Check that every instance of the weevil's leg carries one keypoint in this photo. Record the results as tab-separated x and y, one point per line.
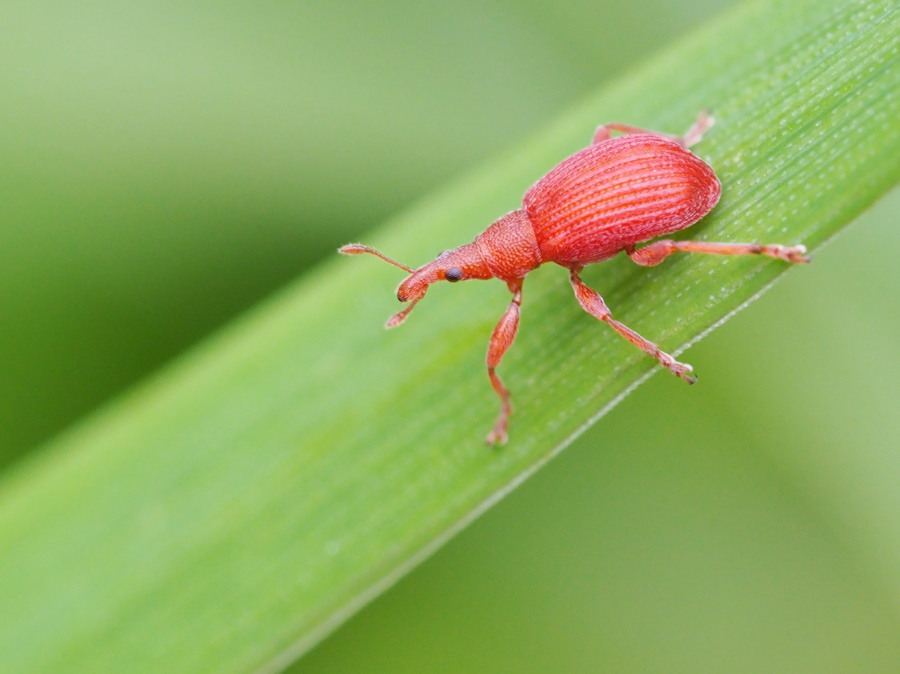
602	133
693	136
501	339
656	252
592	303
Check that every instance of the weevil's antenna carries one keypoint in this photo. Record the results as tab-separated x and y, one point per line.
359	249
400	316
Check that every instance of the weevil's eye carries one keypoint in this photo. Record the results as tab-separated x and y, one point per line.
453	274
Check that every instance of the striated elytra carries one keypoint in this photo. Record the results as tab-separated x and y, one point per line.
607	198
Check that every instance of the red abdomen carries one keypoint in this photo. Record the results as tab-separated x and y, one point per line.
616	193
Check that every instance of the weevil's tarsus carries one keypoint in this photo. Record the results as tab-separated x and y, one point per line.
501	338
654	253
592	303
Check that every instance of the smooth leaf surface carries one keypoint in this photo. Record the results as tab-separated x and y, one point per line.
229	513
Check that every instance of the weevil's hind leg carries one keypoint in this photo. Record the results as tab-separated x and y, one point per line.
501	339
654	253
693	136
603	133
592	303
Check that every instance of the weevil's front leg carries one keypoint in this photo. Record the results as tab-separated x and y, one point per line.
693	136
592	303
501	339
656	252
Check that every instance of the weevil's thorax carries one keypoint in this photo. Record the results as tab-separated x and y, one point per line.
616	193
509	247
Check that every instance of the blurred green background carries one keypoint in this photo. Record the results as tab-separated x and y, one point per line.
165	165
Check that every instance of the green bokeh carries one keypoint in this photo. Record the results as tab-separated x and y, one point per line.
166	165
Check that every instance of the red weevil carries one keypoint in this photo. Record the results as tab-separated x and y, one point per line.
604	199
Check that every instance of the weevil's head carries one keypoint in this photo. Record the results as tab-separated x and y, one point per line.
454	265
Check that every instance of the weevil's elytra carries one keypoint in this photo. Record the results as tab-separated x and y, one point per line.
614	194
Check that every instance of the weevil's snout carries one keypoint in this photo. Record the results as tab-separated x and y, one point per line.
447	267
451	265
414	286
454	265
412	289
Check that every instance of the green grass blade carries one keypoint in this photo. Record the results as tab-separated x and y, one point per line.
229	513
